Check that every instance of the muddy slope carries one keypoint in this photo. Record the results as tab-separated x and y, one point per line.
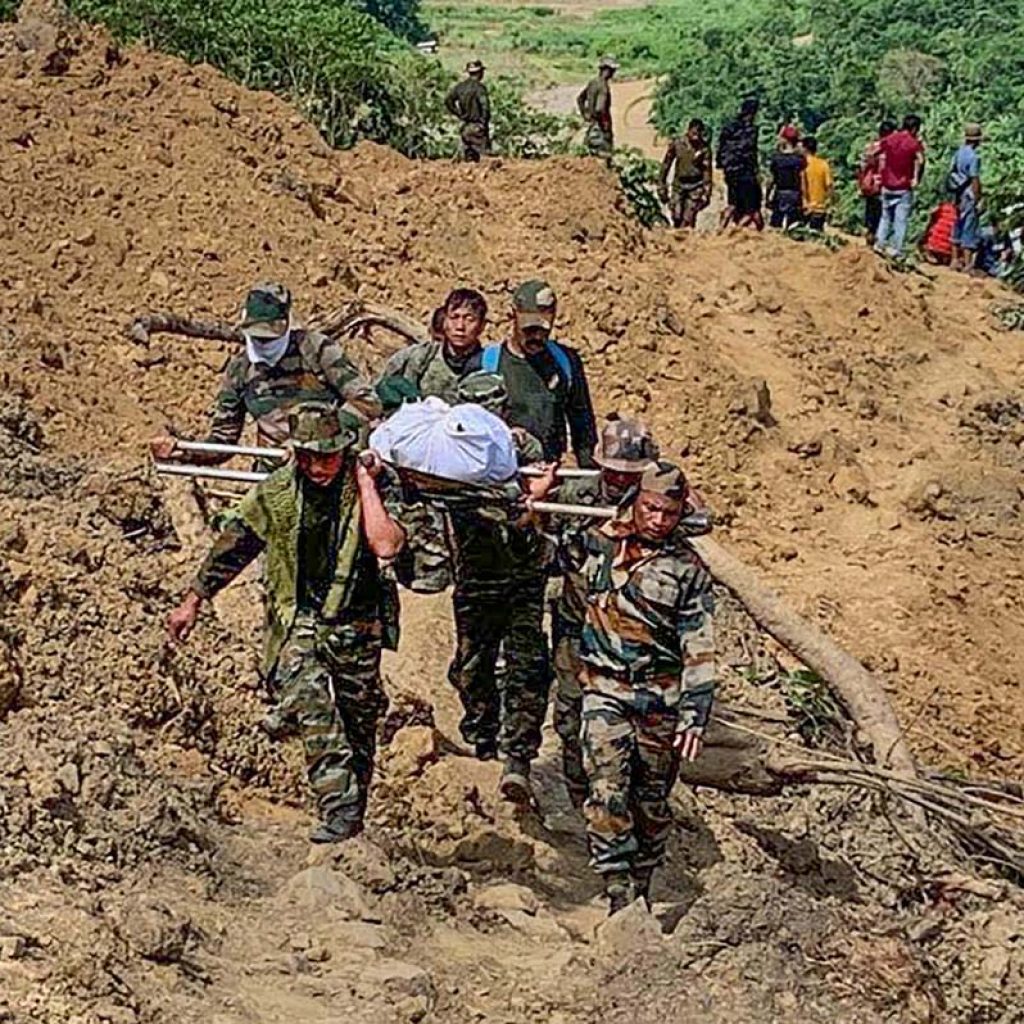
152	856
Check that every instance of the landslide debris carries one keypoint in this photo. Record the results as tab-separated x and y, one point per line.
853	428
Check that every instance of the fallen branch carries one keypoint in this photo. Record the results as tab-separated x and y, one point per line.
170	323
346	320
860	692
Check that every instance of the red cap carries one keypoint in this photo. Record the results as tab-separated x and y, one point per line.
790	133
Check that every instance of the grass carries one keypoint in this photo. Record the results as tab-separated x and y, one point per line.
544	45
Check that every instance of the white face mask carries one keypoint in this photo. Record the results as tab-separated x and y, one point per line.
267	350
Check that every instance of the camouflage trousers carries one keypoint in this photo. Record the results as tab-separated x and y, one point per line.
687	203
599	140
327	682
568	714
476	141
631	767
508	619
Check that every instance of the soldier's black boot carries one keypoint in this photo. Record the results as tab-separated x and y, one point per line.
618	890
338	826
515	782
642	885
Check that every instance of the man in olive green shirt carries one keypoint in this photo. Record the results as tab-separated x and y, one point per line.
546	383
469	102
595	106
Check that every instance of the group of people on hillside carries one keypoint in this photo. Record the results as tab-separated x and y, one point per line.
632	647
799	187
891	170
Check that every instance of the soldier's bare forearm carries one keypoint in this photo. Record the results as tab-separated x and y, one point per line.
385	537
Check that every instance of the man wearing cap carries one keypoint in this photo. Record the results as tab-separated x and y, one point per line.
786	168
648	675
595	106
468	101
322	524
280	366
965	186
738	157
546	383
435	367
626	450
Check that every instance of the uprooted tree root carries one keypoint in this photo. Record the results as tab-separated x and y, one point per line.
957	818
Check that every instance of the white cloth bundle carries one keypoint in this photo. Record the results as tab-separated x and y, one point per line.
463	442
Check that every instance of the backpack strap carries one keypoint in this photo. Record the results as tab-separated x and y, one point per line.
562	361
490	358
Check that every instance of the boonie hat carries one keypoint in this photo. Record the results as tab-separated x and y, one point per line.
322	428
608	62
665	478
973	132
790	133
483	388
475	65
266	310
626	446
535	302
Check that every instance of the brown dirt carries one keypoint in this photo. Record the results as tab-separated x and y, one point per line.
152	853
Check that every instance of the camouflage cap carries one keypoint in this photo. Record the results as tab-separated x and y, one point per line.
482	388
665	478
534	303
322	428
394	391
607	61
474	67
626	446
266	310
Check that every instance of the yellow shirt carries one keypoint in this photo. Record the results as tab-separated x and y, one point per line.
817	184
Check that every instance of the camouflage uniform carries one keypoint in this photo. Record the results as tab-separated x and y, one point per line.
469	102
312	368
326	610
626	446
647	649
595	106
498	600
431	368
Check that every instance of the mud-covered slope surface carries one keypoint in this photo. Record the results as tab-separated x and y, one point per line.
152	851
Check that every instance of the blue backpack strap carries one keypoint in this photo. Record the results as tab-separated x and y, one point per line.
490	358
562	361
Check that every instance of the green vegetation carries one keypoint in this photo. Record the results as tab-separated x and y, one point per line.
839	66
340	61
542	46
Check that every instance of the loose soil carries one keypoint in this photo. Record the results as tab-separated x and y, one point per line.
858	432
